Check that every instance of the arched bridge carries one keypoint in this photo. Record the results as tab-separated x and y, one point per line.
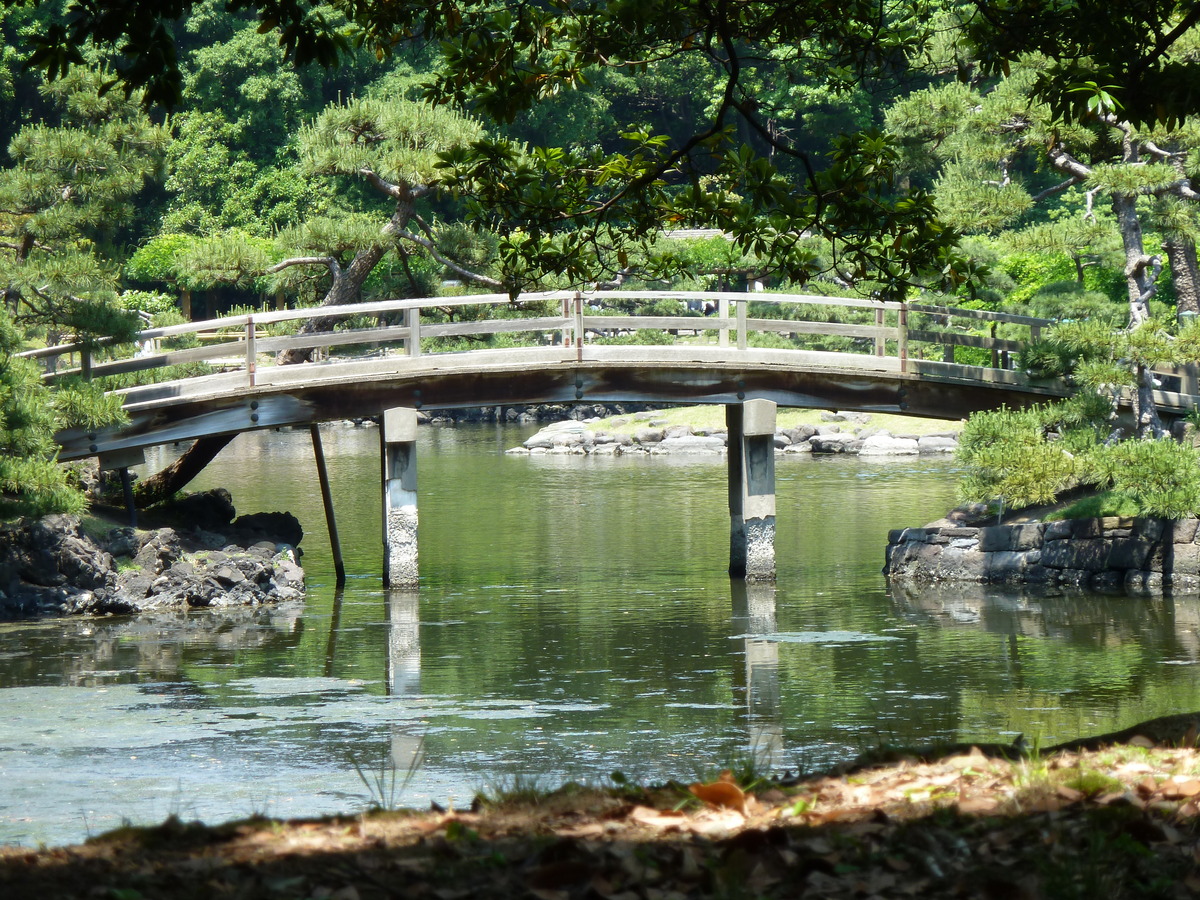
562	347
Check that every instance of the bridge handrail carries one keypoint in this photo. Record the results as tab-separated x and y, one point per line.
578	318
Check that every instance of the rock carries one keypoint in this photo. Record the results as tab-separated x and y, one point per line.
934	444
122	542
836	442
211	510
648	435
52	552
85	580
159	550
884	444
281	527
801	433
691	444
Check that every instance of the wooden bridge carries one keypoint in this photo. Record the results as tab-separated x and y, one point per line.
562	347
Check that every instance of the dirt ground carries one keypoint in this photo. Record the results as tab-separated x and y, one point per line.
1115	816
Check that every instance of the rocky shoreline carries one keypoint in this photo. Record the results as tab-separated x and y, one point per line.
1134	554
648	433
53	566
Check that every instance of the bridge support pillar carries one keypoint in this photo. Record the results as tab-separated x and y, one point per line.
399	455
751	490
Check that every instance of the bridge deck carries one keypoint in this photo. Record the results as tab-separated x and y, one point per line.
896	362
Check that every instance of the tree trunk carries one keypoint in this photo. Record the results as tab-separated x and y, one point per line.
348	282
1139	271
346	288
1185	272
165	484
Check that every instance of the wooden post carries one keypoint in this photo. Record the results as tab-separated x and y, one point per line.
902	337
335	544
743	307
880	342
413	321
723	315
578	327
751	462
121	460
251	350
399	457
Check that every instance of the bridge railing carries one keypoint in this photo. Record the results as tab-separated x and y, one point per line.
735	321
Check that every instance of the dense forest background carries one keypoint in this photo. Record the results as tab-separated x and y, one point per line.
918	170
190	209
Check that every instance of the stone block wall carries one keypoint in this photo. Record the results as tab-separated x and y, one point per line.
1141	553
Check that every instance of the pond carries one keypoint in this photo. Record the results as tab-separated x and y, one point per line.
574	619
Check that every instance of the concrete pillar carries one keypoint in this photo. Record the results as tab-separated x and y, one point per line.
751	463
399	453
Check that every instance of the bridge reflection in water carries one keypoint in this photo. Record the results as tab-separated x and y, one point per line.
752	621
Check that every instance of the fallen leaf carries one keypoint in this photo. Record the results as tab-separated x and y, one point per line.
721	794
1173	790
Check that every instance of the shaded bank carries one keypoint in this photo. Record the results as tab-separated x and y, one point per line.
57	566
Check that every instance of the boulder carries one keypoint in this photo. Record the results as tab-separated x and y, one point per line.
884	444
692	444
934	444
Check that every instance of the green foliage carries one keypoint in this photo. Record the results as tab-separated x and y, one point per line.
1007	457
30	481
640	337
157	260
1027	457
84	404
233	258
150	302
1161	476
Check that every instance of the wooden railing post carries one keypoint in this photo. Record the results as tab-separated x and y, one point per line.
413	321
85	363
902	337
723	314
578	326
251	350
995	350
742	310
880	341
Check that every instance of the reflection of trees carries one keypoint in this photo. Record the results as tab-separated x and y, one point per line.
1056	663
1086	619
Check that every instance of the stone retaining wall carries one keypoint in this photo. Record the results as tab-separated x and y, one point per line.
1141	553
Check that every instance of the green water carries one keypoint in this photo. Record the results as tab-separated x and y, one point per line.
574	619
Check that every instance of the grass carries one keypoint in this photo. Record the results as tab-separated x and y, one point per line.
383	783
1097	506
